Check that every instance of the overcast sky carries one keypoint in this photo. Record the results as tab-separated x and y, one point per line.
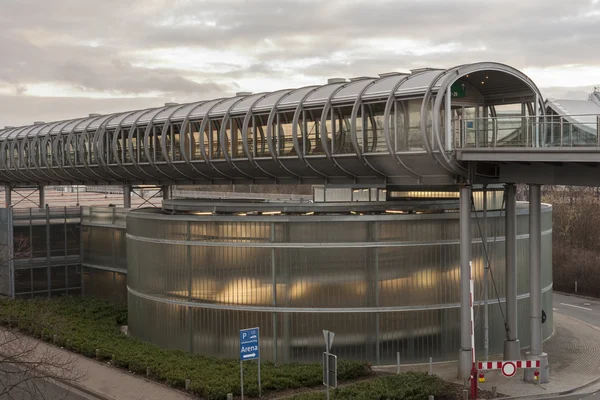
67	58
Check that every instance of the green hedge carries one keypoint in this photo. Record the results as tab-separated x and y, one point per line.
407	386
84	325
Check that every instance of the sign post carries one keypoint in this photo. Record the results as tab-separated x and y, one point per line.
327	359
249	350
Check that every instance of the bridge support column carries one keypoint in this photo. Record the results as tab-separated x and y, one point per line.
42	194
512	348
127	196
7	196
165	192
465	352
535	285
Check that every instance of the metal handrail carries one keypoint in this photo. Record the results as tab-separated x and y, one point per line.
532	124
515	116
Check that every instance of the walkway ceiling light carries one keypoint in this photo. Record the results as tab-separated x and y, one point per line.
395	212
203	213
271	213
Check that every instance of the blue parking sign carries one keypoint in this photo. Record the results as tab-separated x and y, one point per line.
249	347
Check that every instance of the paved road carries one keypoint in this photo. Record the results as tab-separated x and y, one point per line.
577	307
585	310
43	389
50	391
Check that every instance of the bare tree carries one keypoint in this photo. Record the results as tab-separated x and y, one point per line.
28	365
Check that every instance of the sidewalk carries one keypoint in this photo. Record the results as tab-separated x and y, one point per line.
573	353
111	383
102	381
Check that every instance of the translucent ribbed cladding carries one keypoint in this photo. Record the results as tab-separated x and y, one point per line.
383	283
104	253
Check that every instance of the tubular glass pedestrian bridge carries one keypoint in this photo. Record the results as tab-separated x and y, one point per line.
393	130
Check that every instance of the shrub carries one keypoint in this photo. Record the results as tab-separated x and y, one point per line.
407	386
84	325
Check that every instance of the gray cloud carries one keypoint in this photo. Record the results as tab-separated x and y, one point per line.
102	47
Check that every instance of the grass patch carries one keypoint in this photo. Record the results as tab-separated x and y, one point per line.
84	325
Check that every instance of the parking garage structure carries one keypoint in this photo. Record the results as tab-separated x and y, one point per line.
384	276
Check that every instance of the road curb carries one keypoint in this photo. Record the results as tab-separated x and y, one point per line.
555	394
569	391
89	392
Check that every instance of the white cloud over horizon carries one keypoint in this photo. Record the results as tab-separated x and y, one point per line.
67	58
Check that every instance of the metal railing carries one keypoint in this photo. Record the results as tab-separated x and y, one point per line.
581	130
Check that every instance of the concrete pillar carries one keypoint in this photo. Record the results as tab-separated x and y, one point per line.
165	192
7	196
42	196
127	196
465	352
535	284
512	349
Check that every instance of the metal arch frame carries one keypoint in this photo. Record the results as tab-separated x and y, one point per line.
132	130
386	124
150	157
357	104
89	136
464	70
244	131
187	157
203	124
299	151
250	114
163	141
70	136
85	135
101	152
36	141
326	108
274	155
31	144
112	149
113	145
22	139
3	145
185	122
10	140
439	156
13	148
222	133
63	138
44	150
